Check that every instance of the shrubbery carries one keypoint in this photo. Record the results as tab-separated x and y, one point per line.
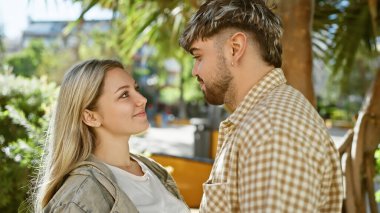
24	107
26	62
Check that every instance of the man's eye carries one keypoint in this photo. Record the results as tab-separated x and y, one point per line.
196	57
137	88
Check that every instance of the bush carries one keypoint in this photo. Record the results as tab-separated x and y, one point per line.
24	107
377	169
25	63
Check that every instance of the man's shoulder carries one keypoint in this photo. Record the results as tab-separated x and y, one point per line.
285	96
285	101
280	99
283	107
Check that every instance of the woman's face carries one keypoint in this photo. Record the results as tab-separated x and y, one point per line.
120	107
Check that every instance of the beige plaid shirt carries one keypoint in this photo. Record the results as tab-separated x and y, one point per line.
274	155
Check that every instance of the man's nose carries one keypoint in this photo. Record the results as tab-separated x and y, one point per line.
194	71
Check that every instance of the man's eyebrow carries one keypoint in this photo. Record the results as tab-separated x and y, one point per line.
193	49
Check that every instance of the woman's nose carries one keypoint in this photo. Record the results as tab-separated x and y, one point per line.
140	99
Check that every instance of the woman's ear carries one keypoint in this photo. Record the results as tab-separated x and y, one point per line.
238	45
90	118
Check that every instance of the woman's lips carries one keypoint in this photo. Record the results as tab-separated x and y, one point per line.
140	114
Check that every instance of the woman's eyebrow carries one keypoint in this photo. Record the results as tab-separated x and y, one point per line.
122	87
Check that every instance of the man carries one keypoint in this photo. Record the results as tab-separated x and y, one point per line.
274	152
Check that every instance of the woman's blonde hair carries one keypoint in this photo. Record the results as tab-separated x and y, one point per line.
69	140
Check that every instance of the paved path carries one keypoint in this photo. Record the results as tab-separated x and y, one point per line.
175	140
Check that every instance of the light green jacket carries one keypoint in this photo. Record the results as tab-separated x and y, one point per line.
91	187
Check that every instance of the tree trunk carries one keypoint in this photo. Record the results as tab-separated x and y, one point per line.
365	141
297	18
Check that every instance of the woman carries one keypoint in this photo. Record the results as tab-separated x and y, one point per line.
88	166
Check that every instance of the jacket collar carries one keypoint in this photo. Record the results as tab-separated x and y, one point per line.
105	177
110	184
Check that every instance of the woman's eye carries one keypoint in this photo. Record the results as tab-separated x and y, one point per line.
124	95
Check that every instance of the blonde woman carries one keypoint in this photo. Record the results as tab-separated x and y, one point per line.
88	166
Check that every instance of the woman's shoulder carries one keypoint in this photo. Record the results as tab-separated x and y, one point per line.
81	191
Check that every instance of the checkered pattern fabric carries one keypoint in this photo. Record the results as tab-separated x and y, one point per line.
274	155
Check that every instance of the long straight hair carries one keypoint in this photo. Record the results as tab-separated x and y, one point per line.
69	140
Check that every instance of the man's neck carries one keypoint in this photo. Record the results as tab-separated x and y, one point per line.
244	80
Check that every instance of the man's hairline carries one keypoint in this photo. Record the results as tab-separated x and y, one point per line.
230	30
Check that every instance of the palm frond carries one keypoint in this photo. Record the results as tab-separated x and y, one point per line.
344	27
157	21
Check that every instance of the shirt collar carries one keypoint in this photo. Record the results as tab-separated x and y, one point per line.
270	81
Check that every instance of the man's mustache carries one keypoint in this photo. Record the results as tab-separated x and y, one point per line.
200	80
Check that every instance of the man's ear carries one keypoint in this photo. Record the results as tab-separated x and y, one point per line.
238	44
90	118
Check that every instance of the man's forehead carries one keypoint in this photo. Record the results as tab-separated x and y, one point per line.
199	44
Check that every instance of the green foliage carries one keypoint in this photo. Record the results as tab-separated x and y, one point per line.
345	41
377	168
98	44
24	107
25	63
38	59
158	24
2	50
377	159
344	37
54	64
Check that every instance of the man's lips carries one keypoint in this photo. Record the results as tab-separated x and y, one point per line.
202	85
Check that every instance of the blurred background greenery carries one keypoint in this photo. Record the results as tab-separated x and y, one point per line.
144	34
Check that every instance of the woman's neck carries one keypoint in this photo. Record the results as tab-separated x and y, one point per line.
113	152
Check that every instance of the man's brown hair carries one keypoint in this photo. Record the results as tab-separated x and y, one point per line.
251	16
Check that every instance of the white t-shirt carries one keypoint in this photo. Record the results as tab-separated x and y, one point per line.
147	192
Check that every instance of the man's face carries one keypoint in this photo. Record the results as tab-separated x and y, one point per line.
211	70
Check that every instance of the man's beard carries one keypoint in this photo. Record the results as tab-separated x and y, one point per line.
215	91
